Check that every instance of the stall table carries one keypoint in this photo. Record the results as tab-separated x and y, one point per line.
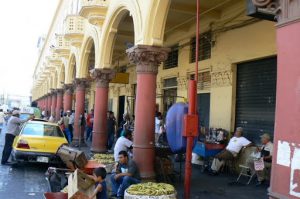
207	150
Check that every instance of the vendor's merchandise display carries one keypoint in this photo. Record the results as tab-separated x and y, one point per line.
103	158
151	190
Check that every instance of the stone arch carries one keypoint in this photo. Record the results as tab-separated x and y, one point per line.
156	21
54	80
61	76
89	42
117	10
49	84
71	69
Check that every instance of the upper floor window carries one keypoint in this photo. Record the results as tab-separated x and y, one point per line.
204	47
172	60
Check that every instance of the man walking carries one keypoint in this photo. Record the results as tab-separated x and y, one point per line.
111	129
71	116
1	119
13	129
89	125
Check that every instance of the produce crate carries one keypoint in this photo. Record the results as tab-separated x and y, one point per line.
80	185
73	158
57	195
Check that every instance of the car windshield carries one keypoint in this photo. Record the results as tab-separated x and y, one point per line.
39	129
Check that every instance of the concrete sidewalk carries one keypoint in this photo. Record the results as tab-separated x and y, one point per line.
205	186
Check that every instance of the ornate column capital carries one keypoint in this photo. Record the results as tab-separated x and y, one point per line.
68	88
52	91
287	11
59	91
147	58
102	76
80	83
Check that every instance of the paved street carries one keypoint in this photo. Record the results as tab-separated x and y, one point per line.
21	182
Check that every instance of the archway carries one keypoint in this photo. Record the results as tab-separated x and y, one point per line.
61	76
71	73
116	14
87	64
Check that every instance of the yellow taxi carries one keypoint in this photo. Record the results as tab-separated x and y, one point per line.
38	141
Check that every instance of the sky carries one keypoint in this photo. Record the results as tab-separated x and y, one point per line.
22	23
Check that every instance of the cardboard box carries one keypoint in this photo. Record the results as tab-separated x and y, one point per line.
72	157
80	185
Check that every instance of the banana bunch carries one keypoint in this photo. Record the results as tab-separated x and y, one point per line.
65	190
151	189
104	158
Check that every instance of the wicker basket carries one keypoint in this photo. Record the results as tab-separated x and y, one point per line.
129	196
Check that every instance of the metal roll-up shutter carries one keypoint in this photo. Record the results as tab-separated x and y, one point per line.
256	97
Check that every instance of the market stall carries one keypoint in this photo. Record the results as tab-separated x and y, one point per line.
208	145
72	181
151	190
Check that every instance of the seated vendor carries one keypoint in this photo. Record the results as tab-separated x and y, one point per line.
234	146
265	152
127	173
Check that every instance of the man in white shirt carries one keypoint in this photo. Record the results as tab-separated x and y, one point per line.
234	146
12	130
1	119
265	152
71	116
124	143
158	123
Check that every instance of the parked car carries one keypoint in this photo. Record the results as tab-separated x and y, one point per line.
38	141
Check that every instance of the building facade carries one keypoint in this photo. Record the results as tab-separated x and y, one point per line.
136	56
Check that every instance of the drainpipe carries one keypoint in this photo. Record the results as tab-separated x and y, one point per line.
191	120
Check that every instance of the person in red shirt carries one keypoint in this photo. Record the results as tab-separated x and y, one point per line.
89	125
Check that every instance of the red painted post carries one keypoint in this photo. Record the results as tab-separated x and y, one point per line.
190	140
192	111
53	100
79	111
102	77
285	179
147	59
59	103
49	98
68	95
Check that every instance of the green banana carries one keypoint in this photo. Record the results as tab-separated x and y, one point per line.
151	189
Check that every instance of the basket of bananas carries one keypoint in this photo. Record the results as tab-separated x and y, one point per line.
150	190
105	159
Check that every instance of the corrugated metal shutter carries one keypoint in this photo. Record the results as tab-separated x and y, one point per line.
256	97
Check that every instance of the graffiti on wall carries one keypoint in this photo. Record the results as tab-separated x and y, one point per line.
288	155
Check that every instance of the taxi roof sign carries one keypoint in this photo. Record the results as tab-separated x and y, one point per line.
28	110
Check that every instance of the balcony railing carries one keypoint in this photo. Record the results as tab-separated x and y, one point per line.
61	42
85	3
74	25
62	45
94	10
52	60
